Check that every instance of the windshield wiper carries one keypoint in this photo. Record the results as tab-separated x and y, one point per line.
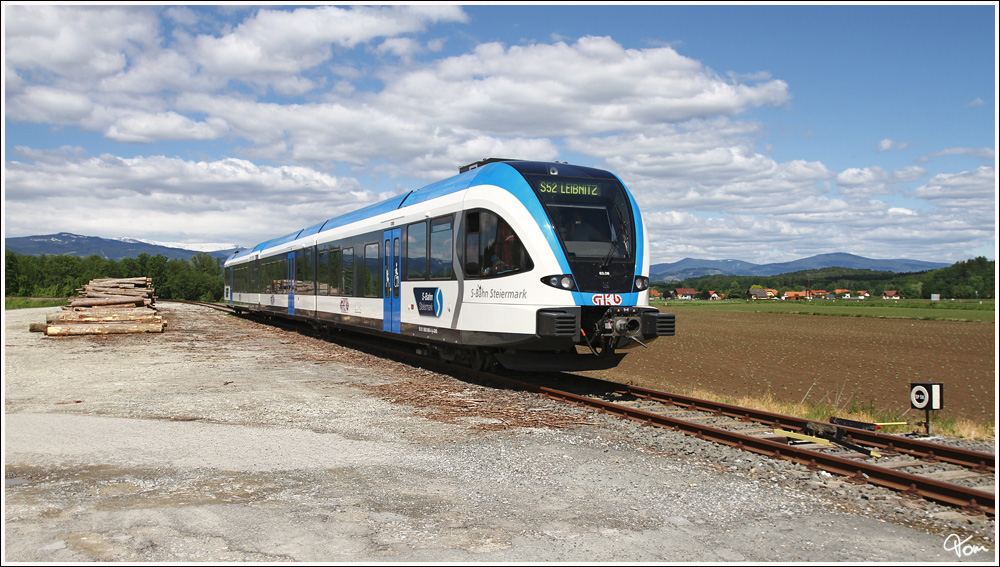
622	230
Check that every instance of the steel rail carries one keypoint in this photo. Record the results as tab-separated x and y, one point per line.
216	306
932	452
969	499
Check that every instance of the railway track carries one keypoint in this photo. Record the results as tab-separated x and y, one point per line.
948	475
956	477
216	306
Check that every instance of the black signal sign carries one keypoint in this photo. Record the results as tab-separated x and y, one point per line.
926	395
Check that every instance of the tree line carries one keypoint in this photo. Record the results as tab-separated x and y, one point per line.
197	279
201	278
970	279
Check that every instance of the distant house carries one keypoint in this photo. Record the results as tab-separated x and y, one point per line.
845	293
712	295
794	295
771	293
863	294
685	293
891	294
817	294
654	294
757	294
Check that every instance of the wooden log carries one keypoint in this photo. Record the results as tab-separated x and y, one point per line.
139	280
105	310
90	302
117	287
111	298
102	329
115	293
82	317
37	327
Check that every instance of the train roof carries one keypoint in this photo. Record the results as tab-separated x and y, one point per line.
491	171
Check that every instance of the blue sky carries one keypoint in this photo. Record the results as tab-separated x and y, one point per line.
752	132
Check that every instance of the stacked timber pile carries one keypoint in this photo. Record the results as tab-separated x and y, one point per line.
108	306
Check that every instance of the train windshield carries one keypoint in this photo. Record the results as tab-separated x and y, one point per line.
591	216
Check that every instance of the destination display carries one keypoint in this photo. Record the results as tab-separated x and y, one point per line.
562	188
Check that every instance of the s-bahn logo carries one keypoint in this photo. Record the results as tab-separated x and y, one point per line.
607	299
429	300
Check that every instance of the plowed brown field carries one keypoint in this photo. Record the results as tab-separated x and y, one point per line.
846	362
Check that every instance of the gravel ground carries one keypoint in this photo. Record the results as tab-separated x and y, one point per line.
226	440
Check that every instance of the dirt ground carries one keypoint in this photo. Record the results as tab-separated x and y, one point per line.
226	440
844	362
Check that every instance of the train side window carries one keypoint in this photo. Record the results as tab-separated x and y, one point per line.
284	282
333	276
322	271
470	256
268	272
305	273
386	277
328	271
416	251
441	249
348	258
372	270
492	248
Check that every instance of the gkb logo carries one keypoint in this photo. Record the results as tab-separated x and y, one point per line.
429	300
607	299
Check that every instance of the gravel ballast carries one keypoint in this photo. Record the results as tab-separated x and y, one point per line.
227	440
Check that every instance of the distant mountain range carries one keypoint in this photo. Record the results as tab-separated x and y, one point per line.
691	267
110	248
118	248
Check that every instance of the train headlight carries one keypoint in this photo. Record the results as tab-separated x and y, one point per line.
562	281
641	283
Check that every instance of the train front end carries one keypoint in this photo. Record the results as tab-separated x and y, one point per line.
594	227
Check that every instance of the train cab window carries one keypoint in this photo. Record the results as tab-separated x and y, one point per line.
416	251
441	249
372	270
592	217
492	248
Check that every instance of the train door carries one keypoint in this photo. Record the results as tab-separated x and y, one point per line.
391	253
291	283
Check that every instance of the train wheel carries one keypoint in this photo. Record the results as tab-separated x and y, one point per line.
481	359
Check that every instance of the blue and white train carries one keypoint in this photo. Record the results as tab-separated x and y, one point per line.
532	265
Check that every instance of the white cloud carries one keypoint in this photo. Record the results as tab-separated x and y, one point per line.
886	145
985	154
599	86
403	47
157	197
145	127
76	42
970	190
48	104
289	42
867	181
